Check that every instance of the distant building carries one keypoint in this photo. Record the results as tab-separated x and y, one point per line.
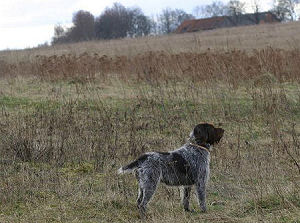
226	21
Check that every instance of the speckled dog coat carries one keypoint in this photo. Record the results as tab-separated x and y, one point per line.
186	166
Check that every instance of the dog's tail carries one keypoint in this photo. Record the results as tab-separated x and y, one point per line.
133	165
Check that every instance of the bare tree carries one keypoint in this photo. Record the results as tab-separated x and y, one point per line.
165	20
181	16
236	8
256	6
170	19
154	25
140	25
256	10
285	9
217	8
58	31
59	34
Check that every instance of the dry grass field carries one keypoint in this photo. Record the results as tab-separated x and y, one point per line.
71	115
282	36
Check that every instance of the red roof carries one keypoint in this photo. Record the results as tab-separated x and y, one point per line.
200	24
226	21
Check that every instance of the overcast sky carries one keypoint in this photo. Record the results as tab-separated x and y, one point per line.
27	23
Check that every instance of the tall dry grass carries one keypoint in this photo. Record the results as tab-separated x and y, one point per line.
61	155
230	66
69	121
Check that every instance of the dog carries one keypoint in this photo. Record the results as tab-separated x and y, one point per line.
186	166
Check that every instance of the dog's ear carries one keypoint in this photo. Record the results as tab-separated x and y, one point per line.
215	135
200	133
211	132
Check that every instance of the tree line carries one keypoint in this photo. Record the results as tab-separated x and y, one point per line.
119	21
284	10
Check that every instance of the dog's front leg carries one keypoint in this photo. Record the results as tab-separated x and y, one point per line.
201	192
185	197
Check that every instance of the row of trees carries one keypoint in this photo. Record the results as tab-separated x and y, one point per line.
119	21
283	9
218	8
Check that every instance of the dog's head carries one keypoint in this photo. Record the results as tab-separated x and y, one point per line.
206	133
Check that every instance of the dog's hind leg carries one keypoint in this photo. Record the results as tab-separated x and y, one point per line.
140	197
148	184
147	195
141	193
185	199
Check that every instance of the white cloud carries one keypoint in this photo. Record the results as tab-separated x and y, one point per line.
31	22
93	6
34	12
23	37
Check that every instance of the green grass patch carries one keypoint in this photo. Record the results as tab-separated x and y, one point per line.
27	103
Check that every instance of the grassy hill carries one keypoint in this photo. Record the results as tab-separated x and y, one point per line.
71	115
283	36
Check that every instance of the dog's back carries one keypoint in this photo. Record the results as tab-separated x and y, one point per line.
178	167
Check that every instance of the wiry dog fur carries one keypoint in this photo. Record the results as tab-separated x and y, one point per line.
186	166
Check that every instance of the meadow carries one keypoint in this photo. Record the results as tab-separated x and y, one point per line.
71	115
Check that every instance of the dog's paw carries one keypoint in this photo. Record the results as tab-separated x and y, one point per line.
190	210
203	210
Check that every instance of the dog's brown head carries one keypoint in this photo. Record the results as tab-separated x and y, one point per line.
206	133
